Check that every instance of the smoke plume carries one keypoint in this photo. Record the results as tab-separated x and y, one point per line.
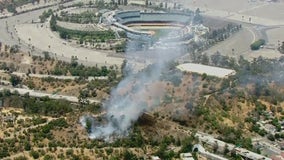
129	99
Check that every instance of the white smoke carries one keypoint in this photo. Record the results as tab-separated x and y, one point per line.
125	105
129	99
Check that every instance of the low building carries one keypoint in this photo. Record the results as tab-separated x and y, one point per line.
270	128
205	69
278	157
137	2
155	158
207	154
186	156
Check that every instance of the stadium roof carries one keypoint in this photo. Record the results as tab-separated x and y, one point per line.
137	16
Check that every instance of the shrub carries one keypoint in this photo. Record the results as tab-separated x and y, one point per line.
34	154
15	80
256	45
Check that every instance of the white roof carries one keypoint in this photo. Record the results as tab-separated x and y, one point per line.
139	2
155	158
186	156
209	70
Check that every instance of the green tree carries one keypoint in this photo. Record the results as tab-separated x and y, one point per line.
48	157
15	80
89	125
46	55
100	3
27	146
197	17
4	152
127	155
215	147
226	149
125	2
163	153
204	59
257	44
34	154
53	23
146	3
74	61
64	34
271	137
45	15
187	144
281	48
84	94
14	49
11	8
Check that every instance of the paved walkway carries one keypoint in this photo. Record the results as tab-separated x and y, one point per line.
40	36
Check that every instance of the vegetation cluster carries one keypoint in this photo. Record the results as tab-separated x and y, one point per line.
82	18
257	44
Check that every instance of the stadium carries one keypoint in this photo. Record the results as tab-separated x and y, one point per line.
144	25
147	24
152	18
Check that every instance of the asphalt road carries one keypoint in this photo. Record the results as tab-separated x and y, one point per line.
8	32
35	93
237	44
10	35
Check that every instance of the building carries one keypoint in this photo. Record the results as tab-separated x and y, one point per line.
278	157
205	69
137	2
207	154
121	2
186	156
155	158
130	20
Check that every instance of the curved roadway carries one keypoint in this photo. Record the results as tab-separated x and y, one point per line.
19	30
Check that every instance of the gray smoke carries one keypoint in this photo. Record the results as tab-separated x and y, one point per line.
129	99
